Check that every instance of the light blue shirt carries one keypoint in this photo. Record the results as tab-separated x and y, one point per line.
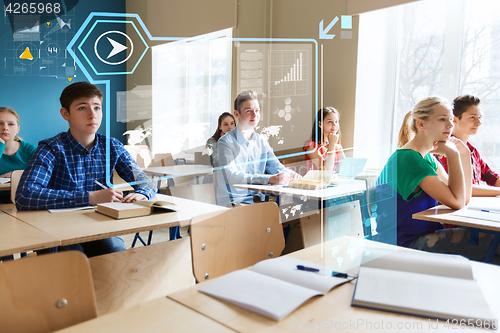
244	162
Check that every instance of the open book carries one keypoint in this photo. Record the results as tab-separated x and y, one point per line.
315	180
424	284
122	210
482	209
273	287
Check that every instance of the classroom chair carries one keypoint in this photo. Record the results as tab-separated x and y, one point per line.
141	154
162	160
203	193
14	182
46	293
126	278
234	239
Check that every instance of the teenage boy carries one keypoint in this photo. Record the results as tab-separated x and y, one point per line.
66	170
246	157
466	120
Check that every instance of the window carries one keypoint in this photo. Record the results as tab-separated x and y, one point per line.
425	48
191	88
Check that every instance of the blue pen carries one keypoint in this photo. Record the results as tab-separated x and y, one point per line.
307	269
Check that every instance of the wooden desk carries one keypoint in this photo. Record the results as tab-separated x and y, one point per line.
87	225
442	214
181	170
5	187
17	236
333	311
159	315
346	187
312	222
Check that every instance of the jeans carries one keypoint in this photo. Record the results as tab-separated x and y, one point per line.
94	248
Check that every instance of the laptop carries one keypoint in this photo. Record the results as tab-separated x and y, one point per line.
350	167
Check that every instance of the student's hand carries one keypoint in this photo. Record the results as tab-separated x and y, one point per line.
131	197
332	141
462	148
105	195
294	175
282	178
2	140
444	148
6	175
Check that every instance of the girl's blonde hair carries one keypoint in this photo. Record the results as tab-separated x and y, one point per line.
11	111
405	133
421	111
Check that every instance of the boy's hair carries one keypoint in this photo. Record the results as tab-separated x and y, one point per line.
462	103
244	96
78	90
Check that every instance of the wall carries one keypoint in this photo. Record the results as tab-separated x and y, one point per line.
36	98
270	19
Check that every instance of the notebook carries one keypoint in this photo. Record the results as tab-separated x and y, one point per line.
274	287
429	285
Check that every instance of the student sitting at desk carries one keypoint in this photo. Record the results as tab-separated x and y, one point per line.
14	153
467	119
326	152
226	123
247	157
66	170
419	182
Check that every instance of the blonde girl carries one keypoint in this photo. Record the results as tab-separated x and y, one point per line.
14	153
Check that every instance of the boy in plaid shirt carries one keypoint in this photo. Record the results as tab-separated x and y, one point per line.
66	169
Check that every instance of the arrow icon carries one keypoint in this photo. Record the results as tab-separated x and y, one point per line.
117	47
323	33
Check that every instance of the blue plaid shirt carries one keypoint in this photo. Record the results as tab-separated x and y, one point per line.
62	172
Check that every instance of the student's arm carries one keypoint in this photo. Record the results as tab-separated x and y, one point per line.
4	172
456	193
127	168
485	190
32	191
314	154
280	173
234	166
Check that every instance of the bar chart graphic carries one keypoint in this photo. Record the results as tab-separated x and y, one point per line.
288	72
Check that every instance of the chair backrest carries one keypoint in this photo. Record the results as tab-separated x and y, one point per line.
126	278
234	239
199	158
162	160
14	182
202	192
141	154
46	293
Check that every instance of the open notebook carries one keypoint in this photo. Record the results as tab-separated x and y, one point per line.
273	287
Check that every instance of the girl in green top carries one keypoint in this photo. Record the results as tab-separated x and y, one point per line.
419	182
14	153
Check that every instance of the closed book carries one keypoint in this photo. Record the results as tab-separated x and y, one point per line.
423	284
122	210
